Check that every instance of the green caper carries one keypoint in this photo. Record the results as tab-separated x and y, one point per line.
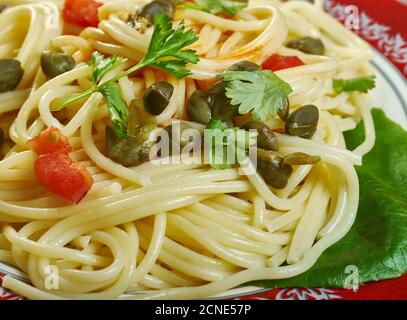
303	122
299	158
54	63
138	116
265	137
131	150
283	113
244	65
157	97
221	107
308	45
150	10
179	129
10	74
199	109
271	167
137	21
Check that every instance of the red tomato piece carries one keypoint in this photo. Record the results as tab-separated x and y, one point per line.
81	12
50	140
277	62
60	174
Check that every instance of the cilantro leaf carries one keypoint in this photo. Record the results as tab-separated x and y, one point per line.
260	92
216	6
362	84
167	42
101	65
116	106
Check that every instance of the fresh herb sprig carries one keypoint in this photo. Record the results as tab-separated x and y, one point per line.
361	84
217	6
166	51
260	92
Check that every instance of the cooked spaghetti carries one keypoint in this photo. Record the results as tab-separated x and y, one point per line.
180	230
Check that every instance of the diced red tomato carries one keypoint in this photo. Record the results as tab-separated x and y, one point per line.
206	84
277	62
60	174
50	140
82	12
55	169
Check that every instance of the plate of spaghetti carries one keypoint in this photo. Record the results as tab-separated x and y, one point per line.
195	149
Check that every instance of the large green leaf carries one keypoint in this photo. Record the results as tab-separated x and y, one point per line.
377	242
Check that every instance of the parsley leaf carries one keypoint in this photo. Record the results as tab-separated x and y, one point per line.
216	6
260	92
167	42
116	106
362	84
101	65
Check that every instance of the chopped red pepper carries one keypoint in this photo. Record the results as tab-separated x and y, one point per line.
277	62
55	169
48	141
60	174
81	12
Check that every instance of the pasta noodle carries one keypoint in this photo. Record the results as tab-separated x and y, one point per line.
178	230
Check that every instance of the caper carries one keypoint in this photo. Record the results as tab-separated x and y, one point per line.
271	167
10	74
150	10
307	45
221	107
131	150
157	97
303	122
199	109
283	113
299	158
265	137
135	148
54	63
244	65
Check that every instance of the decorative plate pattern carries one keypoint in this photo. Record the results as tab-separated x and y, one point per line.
388	39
